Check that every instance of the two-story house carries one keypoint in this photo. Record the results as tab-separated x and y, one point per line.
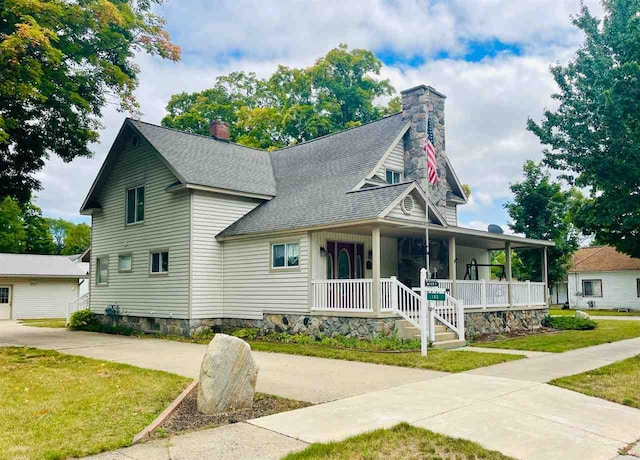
323	237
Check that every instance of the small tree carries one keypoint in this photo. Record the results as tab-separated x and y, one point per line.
542	210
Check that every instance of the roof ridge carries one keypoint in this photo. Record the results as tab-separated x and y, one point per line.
377	187
336	133
600	249
195	134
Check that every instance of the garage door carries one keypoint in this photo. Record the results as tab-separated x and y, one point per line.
5	302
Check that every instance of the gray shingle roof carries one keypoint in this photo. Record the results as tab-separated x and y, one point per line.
206	161
35	265
314	180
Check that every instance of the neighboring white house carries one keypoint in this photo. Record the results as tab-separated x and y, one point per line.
37	286
601	277
191	230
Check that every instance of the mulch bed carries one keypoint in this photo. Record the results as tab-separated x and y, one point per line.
187	418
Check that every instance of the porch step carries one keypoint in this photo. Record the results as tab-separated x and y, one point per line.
446	336
449	344
406	330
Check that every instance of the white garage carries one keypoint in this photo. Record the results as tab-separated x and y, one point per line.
38	286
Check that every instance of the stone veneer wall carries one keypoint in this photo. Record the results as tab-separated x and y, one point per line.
486	323
477	324
313	325
419	104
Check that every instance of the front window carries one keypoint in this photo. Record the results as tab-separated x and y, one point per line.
4	295
135	205
159	262
102	270
393	177
125	262
592	288
285	255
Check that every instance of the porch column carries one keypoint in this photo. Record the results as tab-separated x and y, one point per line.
452	266
545	274
507	252
375	260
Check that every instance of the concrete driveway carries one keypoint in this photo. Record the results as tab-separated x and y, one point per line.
297	377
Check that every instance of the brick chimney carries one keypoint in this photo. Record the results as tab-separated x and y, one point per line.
418	104
219	130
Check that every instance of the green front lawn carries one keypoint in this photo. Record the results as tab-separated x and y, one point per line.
617	382
560	312
403	441
557	342
45	322
437	360
56	406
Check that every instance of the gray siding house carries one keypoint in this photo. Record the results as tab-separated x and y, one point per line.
328	236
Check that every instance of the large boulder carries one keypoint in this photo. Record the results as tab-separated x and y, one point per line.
228	376
582	315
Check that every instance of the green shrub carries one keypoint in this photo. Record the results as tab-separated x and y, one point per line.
83	319
86	320
206	334
248	333
392	343
565	323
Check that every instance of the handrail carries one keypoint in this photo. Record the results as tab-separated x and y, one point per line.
77	304
406	303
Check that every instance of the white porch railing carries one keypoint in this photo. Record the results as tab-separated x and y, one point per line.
482	294
79	303
342	295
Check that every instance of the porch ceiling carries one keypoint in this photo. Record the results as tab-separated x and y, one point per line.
464	236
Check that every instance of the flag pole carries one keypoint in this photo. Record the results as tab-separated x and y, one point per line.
426	227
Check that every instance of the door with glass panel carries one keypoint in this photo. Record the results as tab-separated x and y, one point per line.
5	302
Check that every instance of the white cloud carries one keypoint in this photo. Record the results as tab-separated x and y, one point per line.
488	101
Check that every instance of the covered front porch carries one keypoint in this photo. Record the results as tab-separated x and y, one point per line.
370	269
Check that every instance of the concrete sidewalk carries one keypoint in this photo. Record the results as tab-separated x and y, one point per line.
548	366
297	377
230	442
526	420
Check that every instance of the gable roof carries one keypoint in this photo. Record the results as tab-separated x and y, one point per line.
204	160
195	160
314	180
39	266
602	259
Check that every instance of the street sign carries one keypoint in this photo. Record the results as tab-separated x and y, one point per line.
431	283
436	296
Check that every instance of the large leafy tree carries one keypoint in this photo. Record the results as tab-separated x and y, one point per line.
38	238
593	136
541	209
12	234
60	63
77	240
292	105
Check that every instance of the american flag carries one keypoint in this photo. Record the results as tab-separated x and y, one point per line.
432	171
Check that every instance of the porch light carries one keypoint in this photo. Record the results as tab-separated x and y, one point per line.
323	251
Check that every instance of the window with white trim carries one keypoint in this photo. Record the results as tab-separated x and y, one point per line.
135	205
592	288
160	262
102	271
4	294
125	262
394	177
285	255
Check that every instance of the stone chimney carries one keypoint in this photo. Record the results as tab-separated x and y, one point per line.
418	104
220	130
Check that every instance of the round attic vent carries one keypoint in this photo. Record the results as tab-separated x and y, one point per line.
408	204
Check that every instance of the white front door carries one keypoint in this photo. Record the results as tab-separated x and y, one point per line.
5	302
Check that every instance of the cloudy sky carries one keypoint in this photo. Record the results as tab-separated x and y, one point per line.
490	57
